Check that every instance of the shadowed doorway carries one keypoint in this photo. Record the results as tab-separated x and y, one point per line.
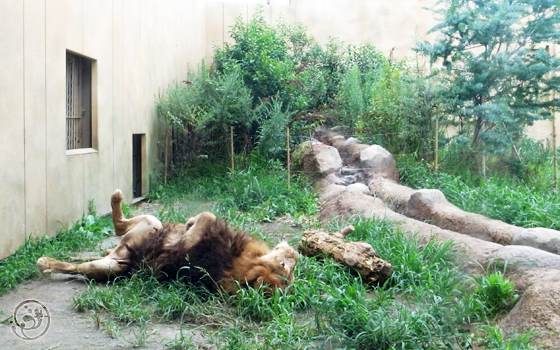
137	162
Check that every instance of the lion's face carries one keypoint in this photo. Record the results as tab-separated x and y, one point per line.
281	261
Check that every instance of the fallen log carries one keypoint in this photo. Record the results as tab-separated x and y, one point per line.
359	256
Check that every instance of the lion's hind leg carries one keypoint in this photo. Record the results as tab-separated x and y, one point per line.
115	264
101	269
122	225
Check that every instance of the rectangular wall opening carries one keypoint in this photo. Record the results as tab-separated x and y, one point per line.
138	161
80	104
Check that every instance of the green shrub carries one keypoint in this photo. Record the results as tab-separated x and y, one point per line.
387	103
351	95
271	142
201	113
261	54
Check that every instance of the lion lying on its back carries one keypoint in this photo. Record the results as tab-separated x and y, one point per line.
204	249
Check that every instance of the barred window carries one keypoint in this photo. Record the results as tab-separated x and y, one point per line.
78	101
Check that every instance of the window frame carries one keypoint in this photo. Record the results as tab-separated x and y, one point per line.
88	76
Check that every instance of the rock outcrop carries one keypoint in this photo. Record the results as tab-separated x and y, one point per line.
532	254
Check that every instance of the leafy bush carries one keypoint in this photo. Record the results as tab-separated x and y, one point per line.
351	95
272	141
261	54
387	103
201	113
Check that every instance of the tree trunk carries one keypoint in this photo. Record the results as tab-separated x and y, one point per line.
359	256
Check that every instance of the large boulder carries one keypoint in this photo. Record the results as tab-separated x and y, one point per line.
538	308
319	159
358	187
529	256
541	238
431	205
337	142
350	151
376	161
394	195
336	203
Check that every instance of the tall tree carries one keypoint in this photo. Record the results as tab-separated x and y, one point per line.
498	73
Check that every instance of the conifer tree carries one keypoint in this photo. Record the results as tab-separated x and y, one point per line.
498	74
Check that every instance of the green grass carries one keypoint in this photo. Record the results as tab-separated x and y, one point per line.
255	194
429	303
502	198
21	267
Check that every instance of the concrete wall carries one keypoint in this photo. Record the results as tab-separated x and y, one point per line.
394	24
139	47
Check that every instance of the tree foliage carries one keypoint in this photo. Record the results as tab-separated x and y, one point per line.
497	75
270	76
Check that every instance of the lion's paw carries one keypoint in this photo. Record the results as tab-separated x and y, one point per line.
44	264
117	196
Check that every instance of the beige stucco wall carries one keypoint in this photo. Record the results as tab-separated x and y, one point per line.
394	24
139	47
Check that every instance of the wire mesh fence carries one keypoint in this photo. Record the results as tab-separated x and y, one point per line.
185	148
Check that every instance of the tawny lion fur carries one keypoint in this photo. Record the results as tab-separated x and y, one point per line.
204	250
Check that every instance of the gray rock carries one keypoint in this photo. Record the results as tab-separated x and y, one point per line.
528	256
537	308
320	159
377	161
339	137
348	142
351	153
394	195
427	196
542	238
431	205
359	187
338	128
337	142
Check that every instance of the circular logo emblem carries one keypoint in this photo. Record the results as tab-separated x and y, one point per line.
31	320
